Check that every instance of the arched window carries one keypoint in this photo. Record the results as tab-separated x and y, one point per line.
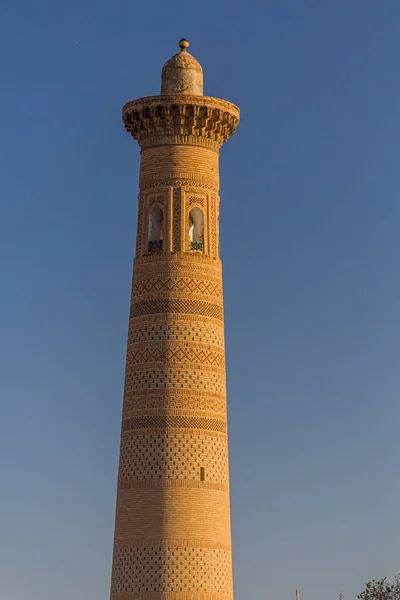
156	229
196	229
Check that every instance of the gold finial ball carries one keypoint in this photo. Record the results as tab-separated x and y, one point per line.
183	44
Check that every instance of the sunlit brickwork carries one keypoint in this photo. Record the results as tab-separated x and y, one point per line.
172	530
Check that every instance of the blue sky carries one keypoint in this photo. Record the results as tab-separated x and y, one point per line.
309	237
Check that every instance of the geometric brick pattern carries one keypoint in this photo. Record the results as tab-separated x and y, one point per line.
161	354
179	183
172	569
171	401
139	231
181	331
174	378
176	216
173	456
177	266
197	286
176	305
174	422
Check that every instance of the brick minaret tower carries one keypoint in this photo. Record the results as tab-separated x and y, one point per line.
172	530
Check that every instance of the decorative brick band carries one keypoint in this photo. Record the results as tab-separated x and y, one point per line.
169	596
163	595
185	180
179	264
167	393
181	284
134	432
176	422
162	410
167	321
173	483
176	305
167	542
171	569
146	400
192	355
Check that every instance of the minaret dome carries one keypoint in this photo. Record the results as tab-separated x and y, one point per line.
182	74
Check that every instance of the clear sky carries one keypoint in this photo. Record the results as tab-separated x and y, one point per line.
310	221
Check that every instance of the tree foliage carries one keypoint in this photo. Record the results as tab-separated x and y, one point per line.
381	590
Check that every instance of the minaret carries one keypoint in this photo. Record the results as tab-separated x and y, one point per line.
172	530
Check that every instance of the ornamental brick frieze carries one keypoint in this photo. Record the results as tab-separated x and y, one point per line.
179	265
171	319
173	392
158	163
170	542
210	143
204	414
181	180
174	399
208	403
173	422
179	300
176	306
172	483
175	372
194	378
179	284
180	288
177	354
182	332
176	351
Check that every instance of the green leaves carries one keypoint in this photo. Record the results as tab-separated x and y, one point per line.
381	590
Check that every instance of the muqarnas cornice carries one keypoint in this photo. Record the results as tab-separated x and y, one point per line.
198	120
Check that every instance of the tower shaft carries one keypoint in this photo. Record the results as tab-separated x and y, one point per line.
172	529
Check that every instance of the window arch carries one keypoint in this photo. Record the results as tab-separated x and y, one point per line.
156	229
196	229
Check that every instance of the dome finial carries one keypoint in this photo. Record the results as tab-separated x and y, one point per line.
183	44
182	74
